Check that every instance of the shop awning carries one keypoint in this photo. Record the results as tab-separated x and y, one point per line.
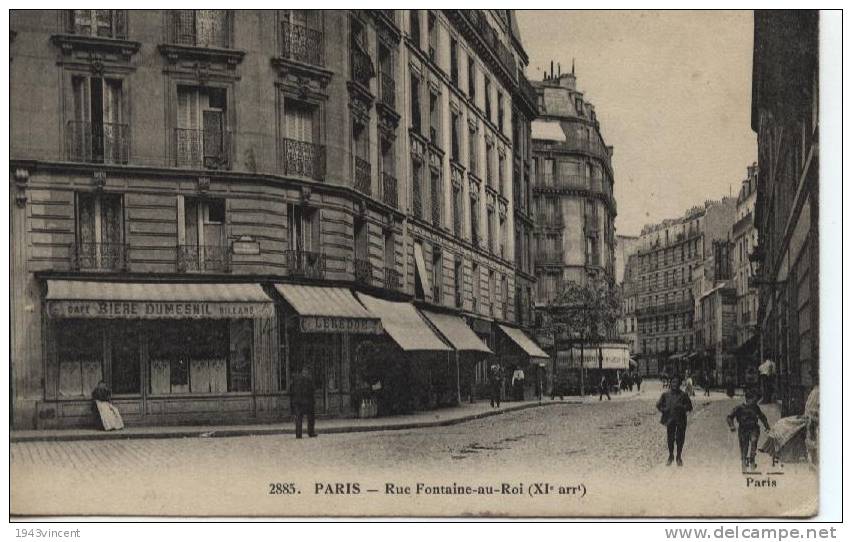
457	332
155	300
525	343
404	324
325	309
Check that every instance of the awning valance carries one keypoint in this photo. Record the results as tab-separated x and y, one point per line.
155	300
404	324
457	332
524	343
325	309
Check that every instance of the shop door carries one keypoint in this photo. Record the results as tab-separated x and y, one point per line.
317	356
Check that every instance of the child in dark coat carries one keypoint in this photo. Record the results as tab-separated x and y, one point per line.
748	415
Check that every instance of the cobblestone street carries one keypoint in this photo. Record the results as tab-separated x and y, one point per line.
614	449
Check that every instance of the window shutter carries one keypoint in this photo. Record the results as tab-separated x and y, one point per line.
213	135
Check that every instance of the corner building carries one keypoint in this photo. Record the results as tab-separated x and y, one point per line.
205	201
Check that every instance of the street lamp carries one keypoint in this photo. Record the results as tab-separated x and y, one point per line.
754	279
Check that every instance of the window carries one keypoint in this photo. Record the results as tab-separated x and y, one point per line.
204	244
201	27
417	188
390	250
473	150
96	130
458	281
455	137
458	204
471	78
437	196
501	166
79	351
414	26
489	164
361	62
454	62
475	283
433	37
100	232
492	291
504	296
300	228
416	110
503	236
474	217
488	98
201	137
387	79
103	23
123	339
500	111
361	157
301	153
435	119
302	36
210	356
492	236
437	274
361	260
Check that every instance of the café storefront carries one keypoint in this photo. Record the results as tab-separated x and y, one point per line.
172	353
321	328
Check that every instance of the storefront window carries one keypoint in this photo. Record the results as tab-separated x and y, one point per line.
79	354
323	353
209	356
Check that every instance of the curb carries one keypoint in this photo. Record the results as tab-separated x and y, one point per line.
276	430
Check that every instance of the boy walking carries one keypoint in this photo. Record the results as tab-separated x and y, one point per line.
673	406
747	415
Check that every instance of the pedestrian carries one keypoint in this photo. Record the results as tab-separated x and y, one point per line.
557	386
302	401
747	415
518	384
638	381
604	388
494	385
673	406
730	383
689	387
705	378
107	412
631	379
767	380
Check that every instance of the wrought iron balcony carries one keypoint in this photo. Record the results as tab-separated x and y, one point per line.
195	148
301	263
302	44
363	176
390	194
204	258
362	67
302	158
387	94
106	143
393	279
200	28
363	271
99	256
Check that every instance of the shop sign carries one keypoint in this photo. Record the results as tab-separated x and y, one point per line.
158	309
337	324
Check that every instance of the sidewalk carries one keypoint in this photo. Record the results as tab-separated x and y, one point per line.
433	418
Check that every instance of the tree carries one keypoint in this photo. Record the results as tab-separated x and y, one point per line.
587	311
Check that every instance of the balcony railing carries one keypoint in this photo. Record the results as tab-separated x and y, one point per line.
477	19
363	176
106	143
209	258
200	28
363	271
393	279
301	263
390	195
302	158
202	148
362	67
387	93
302	44
99	256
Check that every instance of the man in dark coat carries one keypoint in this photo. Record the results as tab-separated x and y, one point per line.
302	401
673	405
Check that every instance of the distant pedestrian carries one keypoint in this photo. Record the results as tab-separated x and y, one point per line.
730	383
604	388
638	381
495	383
767	380
705	383
747	415
689	387
673	406
518	384
302	401
557	386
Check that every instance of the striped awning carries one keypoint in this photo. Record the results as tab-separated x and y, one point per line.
154	300
457	332
404	324
326	309
524	343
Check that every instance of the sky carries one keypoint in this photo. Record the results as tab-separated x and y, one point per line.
672	92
